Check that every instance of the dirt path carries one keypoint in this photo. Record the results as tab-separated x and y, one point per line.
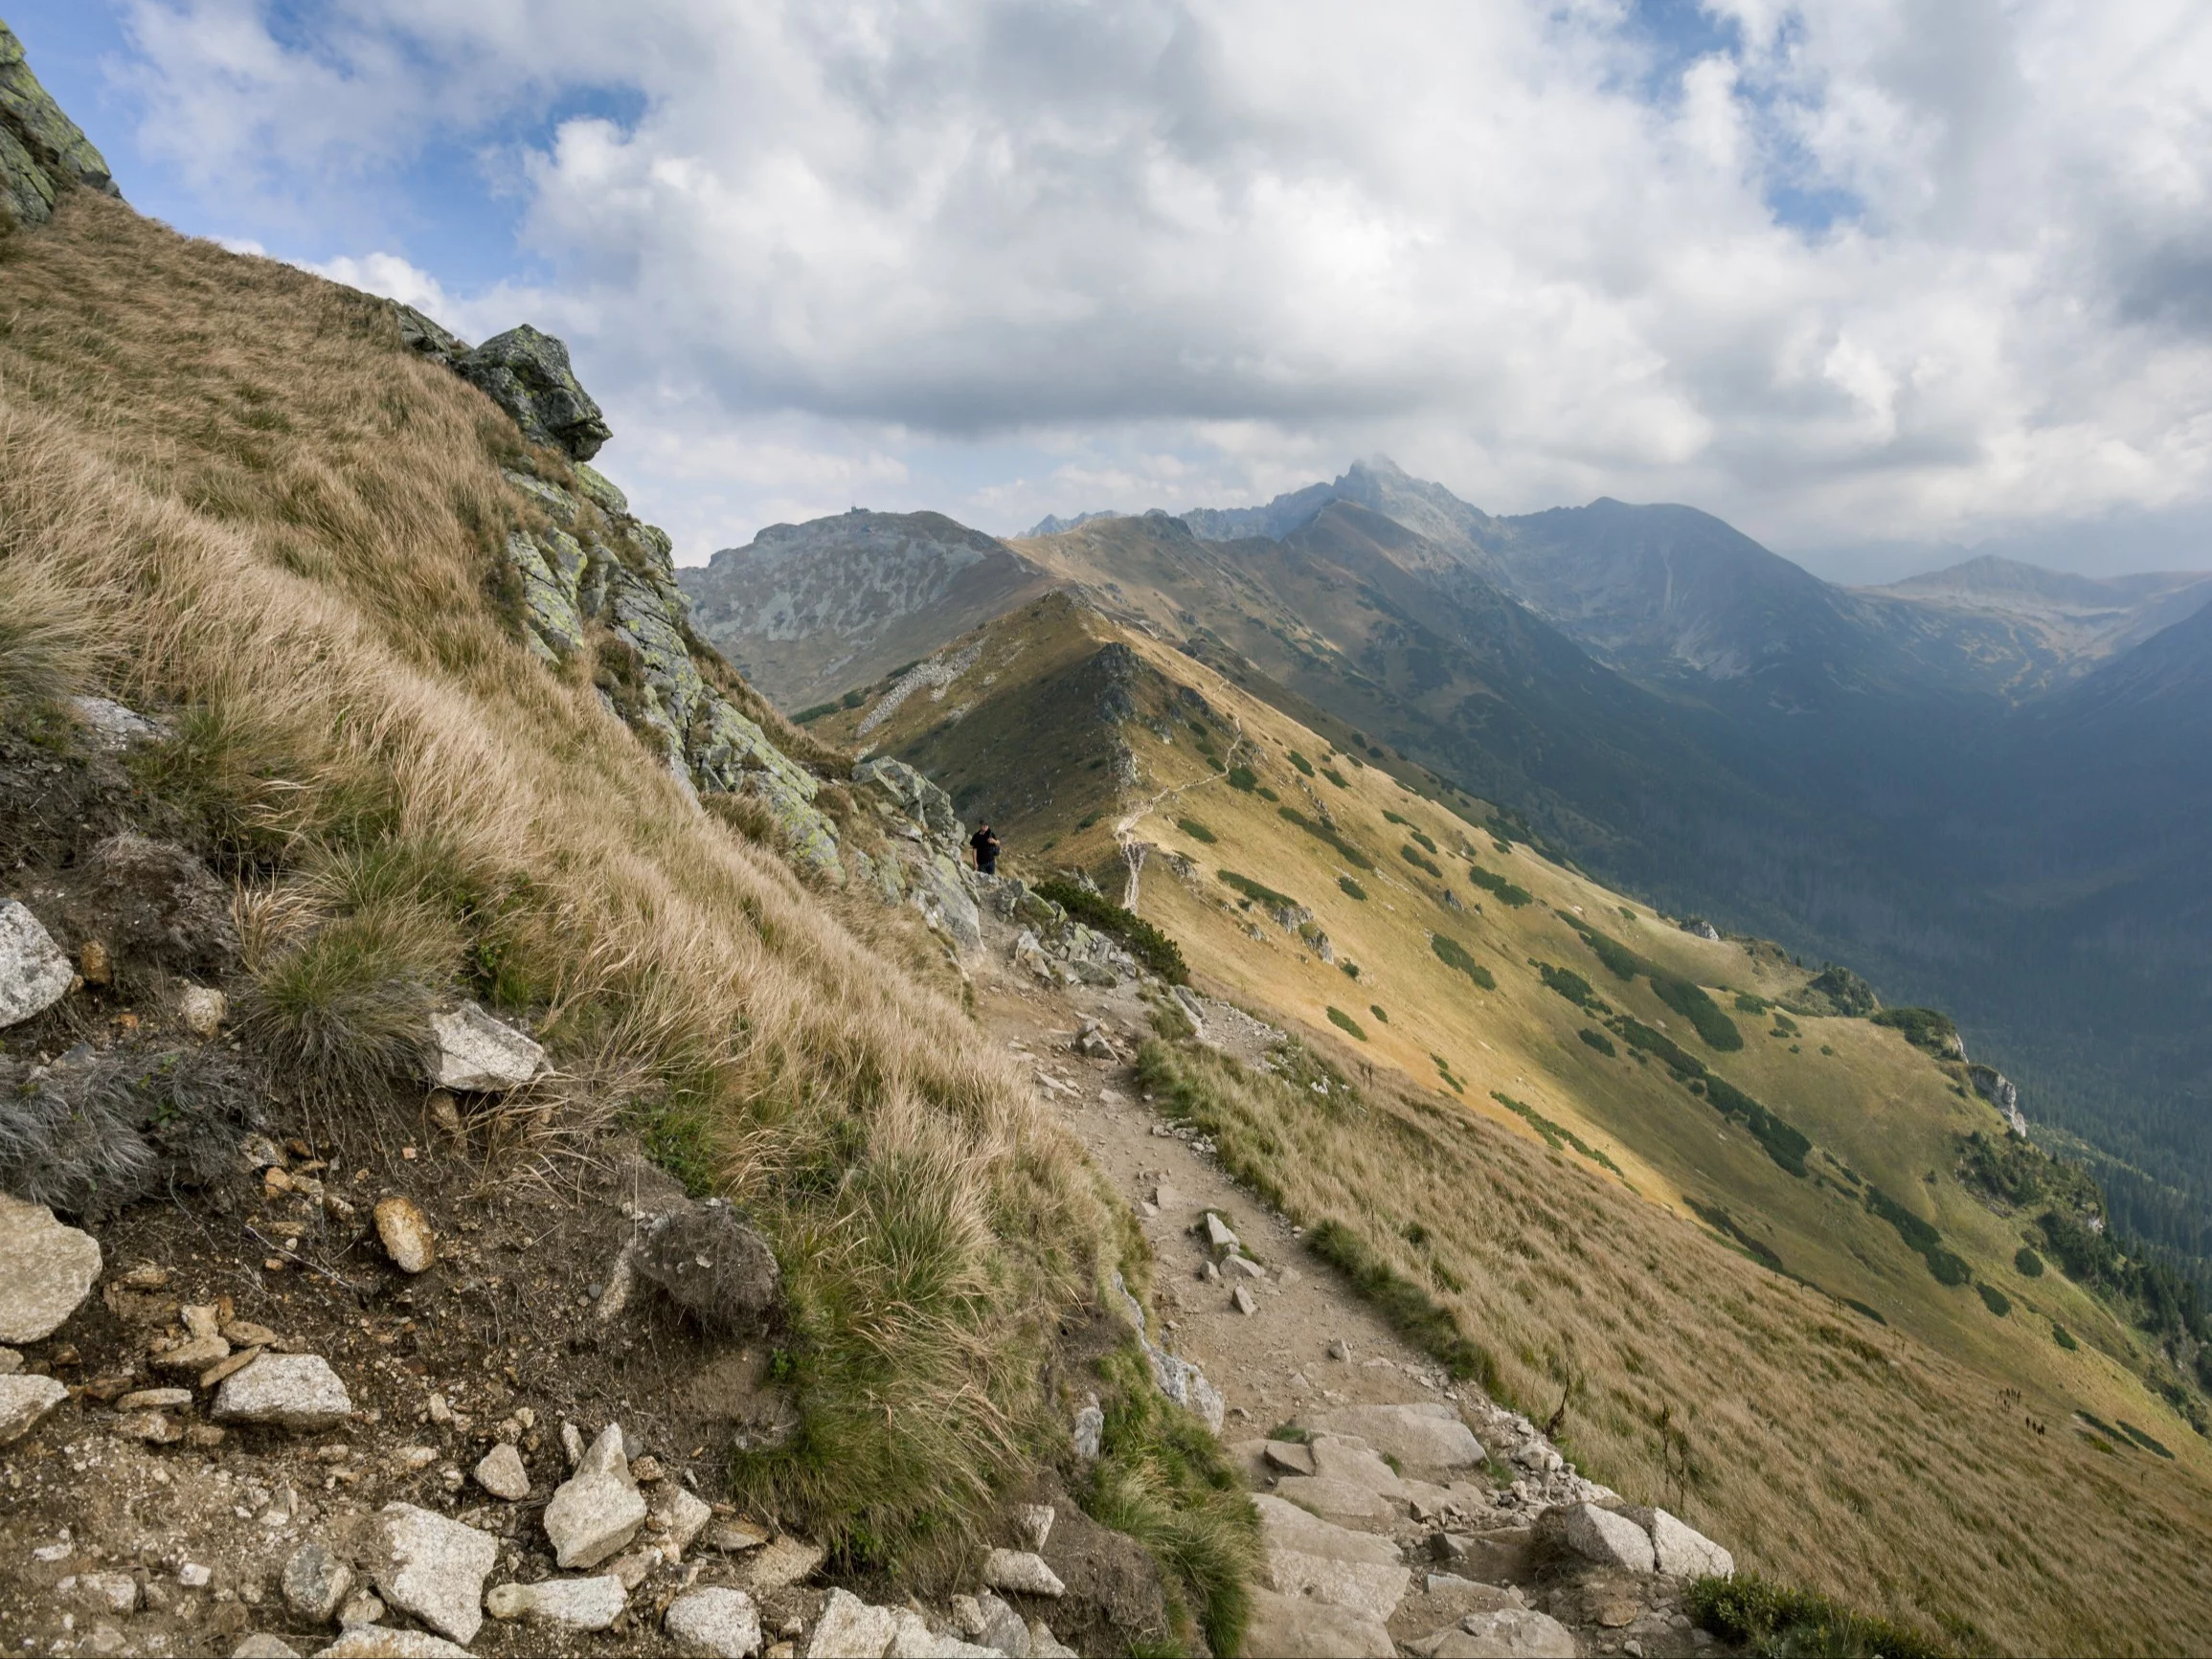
1432	1558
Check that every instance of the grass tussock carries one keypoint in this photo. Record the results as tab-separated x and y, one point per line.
1164	1481
1693	1379
227	480
1770	1622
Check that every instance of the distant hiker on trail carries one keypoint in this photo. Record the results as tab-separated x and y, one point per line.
986	845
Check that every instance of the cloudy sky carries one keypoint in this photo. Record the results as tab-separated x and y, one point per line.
1875	281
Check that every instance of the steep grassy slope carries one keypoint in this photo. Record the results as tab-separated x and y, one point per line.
230	494
1735	1321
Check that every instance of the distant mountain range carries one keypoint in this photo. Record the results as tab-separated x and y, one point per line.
1985	787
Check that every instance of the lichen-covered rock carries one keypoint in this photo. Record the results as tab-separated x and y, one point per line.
526	374
42	151
915	798
550	601
715	1622
943	896
563	1603
704	1258
599	490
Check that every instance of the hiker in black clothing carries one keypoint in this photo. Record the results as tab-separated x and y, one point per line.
986	845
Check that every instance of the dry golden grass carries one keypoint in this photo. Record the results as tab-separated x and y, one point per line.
229	476
1822	1448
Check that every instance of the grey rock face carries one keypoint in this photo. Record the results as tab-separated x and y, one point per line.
1175	1377
285	1391
42	151
1505	1633
50	1270
434	1568
1424	1433
35	974
596	1511
716	1623
709	1263
526	374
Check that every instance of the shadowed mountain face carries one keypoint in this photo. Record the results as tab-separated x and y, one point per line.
807	610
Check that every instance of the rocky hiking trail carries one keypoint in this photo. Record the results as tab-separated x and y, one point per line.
1401	1511
462	1376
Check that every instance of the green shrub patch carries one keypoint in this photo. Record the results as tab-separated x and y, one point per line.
1453	955
1947	1267
1196	831
1420	861
1703	1014
1351	890
1320	832
1252	889
1505	892
1139	937
1343	1021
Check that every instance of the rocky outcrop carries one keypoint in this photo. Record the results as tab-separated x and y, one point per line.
42	152
526	374
2002	1092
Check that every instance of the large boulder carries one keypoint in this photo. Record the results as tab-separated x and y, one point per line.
34	971
1683	1551
1597	1536
707	1261
526	374
50	1270
915	796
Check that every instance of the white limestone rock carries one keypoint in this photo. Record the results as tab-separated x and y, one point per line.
50	1267
596	1511
1426	1434
1506	1633
285	1391
473	1052
850	1628
1597	1536
23	1401
716	1623
1312	1559
1023	1571
381	1642
434	1568
1679	1551
34	973
1280	1624
563	1603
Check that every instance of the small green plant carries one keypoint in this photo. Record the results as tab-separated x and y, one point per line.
1993	1299
1598	1040
2026	1263
1320	832
1505	892
808	716
1087	821
1348	967
1343	1021
1300	761
1420	861
1257	890
1351	890
1376	1009
1142	940
2064	1337
1444	1070
1196	831
1766	1619
1568	983
1453	955
1242	777
1334	777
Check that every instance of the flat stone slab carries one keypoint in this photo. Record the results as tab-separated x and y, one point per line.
1423	1433
50	1270
381	1642
286	1391
716	1623
1293	1625
1333	1497
1509	1633
564	1604
434	1568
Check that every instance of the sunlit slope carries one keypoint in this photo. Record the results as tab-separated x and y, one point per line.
1032	731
